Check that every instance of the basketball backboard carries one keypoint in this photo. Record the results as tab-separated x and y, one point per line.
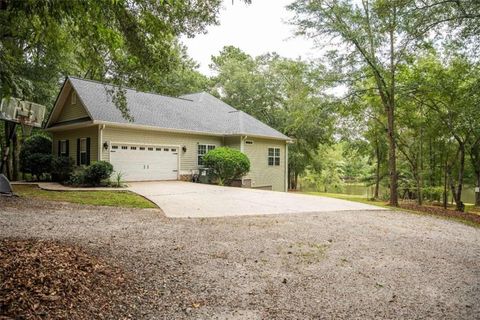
20	111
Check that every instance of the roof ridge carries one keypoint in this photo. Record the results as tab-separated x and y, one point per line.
129	88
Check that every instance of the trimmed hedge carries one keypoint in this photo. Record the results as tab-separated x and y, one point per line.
226	164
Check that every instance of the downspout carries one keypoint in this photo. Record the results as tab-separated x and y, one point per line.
100	141
242	150
286	166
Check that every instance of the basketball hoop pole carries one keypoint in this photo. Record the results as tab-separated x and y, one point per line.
12	126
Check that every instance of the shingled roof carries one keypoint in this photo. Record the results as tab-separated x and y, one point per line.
196	113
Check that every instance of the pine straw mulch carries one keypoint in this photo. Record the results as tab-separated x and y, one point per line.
440	211
50	280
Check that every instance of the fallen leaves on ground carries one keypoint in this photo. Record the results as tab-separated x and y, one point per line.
472	217
50	280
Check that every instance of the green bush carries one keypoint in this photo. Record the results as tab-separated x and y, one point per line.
433	193
62	168
226	164
77	177
36	157
97	172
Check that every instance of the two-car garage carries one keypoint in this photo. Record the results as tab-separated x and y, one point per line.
145	162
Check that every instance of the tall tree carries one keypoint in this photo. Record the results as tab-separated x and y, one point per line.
284	93
449	91
375	38
130	43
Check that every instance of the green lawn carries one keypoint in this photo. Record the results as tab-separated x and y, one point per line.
98	198
350	197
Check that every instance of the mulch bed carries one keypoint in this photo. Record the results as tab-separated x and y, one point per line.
472	217
51	280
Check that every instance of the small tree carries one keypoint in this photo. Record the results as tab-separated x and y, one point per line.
35	156
97	172
227	164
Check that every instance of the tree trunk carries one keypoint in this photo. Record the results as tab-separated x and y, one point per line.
420	173
15	158
445	184
477	194
377	171
392	157
457	191
475	159
461	170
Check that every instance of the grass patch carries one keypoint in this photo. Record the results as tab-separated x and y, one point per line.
350	197
125	199
470	217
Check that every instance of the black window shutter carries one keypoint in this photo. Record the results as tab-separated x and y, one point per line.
88	151
78	152
59	151
67	147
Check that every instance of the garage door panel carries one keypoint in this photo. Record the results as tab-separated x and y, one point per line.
143	163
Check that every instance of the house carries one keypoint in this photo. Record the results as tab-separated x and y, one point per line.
167	137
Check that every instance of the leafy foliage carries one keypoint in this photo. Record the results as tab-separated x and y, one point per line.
227	164
286	94
62	168
97	172
35	156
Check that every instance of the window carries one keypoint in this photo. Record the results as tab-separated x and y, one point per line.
114	147
202	150
133	148
165	149
74	98
173	150
142	148
124	147
273	156
83	151
158	149
63	148
248	142
150	149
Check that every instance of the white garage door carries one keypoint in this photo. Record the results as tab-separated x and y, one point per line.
142	163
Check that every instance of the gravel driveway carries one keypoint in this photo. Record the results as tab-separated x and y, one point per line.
342	265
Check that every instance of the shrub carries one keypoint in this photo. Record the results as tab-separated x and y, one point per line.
226	164
62	168
77	177
98	171
433	193
35	156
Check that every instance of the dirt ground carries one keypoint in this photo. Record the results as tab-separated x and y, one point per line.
342	265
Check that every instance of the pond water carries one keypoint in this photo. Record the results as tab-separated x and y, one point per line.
468	193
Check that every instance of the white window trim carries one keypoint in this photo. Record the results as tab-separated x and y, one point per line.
86	153
274	157
74	97
207	145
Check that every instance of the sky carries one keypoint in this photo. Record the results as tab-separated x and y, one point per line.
256	29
